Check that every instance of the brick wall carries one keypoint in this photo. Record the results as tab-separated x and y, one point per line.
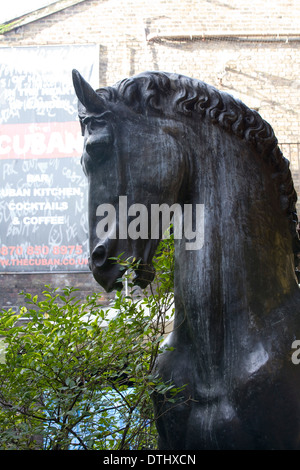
250	49
11	285
263	73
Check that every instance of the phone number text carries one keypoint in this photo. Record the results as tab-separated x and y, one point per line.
39	250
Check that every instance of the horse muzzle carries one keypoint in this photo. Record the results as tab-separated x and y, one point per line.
105	270
108	272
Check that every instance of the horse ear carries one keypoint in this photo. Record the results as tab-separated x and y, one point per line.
86	94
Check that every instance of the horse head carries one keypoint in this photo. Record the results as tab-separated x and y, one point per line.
127	161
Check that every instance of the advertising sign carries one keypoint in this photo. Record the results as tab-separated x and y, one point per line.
43	196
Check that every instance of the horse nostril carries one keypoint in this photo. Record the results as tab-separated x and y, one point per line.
99	256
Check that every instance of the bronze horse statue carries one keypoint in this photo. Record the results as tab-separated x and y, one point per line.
165	138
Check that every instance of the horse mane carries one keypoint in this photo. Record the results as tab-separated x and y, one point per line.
165	94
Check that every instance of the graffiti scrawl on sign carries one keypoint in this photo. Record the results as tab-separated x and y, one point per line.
43	206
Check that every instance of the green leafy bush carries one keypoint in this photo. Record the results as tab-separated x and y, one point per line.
79	376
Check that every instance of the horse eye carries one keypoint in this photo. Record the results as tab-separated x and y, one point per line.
100	122
98	144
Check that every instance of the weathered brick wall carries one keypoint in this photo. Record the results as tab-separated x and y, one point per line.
264	73
193	37
11	286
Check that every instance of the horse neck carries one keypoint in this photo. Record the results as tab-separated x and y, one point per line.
244	270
